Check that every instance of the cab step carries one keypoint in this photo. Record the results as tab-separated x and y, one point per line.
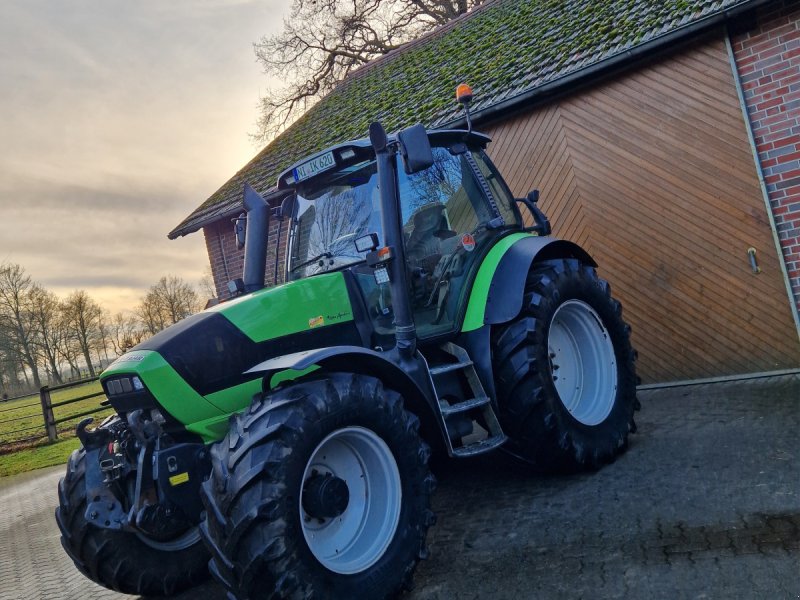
465	420
479	447
466	405
450	367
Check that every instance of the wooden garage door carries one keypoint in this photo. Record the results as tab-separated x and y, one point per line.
653	174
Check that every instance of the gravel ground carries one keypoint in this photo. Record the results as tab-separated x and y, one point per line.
705	504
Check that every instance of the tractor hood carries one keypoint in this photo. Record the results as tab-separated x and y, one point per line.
195	369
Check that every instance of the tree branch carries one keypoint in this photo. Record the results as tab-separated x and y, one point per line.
323	41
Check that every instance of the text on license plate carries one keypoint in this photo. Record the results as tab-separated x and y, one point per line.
312	167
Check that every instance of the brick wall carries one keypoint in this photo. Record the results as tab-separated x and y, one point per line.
768	60
227	261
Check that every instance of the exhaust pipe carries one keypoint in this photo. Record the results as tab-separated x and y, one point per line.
405	331
255	242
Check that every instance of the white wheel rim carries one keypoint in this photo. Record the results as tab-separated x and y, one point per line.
582	362
357	538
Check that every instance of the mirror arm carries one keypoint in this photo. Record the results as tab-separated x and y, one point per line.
542	226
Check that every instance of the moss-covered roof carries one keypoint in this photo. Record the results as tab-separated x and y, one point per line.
505	49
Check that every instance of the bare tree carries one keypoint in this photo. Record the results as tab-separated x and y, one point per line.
150	314
16	317
9	365
166	303
324	40
125	333
206	284
83	317
46	312
68	348
103	338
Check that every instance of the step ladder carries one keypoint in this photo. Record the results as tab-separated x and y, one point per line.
478	409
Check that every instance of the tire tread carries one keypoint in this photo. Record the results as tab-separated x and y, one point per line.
530	410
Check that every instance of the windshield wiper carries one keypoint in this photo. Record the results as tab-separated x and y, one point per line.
312	260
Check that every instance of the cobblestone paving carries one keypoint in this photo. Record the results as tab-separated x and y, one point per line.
706	504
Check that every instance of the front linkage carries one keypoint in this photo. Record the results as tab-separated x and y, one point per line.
130	506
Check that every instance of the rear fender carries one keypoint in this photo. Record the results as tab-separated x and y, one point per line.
356	359
498	291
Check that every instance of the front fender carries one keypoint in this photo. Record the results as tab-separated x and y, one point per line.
364	361
500	283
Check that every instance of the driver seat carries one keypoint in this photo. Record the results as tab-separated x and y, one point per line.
422	242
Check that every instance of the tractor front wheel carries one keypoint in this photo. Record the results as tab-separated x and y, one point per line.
127	562
565	372
320	490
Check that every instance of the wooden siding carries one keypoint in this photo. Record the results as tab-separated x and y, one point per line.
653	174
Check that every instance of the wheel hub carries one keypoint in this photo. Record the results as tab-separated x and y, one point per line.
325	496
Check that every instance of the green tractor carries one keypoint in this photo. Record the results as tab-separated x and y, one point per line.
282	439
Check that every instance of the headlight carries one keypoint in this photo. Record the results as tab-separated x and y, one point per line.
123	385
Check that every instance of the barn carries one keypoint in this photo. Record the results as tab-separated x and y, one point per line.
664	138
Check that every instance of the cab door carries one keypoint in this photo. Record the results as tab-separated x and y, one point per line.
449	222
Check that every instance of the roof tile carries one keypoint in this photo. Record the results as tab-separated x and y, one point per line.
504	48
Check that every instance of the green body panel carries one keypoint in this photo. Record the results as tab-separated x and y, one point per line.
270	313
211	430
169	388
476	307
236	398
290	308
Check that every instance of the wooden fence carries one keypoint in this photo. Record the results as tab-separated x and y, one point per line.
48	405
20	425
20	430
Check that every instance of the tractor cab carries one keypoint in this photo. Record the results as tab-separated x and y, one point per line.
450	214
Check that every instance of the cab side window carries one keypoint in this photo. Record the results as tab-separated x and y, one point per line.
442	209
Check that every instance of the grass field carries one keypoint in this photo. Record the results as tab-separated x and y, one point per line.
45	454
23	441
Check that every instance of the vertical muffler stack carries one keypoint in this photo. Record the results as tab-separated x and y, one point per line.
256	237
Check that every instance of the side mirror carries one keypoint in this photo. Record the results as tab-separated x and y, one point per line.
415	148
542	223
239	229
286	207
367	243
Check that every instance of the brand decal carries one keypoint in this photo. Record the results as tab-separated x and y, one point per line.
338	316
468	241
130	358
316	321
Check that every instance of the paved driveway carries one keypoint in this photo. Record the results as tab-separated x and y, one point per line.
706	504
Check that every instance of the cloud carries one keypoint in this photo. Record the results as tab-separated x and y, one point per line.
120	118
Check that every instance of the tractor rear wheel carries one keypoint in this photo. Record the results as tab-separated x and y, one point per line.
564	371
320	490
131	563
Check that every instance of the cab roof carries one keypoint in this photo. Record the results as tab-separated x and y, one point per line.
361	149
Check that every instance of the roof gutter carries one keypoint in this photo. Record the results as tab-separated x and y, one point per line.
603	67
201	222
272	196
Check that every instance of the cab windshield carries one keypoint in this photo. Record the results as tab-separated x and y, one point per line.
339	208
444	216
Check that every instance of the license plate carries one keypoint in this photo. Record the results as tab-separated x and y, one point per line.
312	167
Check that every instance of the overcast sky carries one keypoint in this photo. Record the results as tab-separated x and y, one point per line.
117	119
